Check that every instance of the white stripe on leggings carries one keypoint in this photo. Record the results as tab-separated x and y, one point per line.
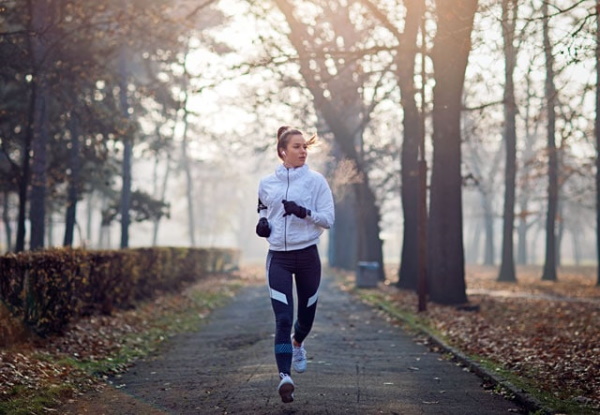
278	296
313	299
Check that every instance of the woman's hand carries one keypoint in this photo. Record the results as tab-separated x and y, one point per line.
262	228
292	208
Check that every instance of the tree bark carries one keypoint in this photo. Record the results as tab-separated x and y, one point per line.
161	195
576	232
452	45
6	220
342	242
597	133
412	124
549	272
189	180
522	234
41	18
342	236
472	251
88	221
25	175
507	262
73	181
127	150
489	249
560	225
528	152
413	132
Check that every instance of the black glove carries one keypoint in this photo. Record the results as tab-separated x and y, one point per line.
262	228
291	208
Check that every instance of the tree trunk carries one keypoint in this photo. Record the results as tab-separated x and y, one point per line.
369	244
40	24
104	241
549	273
369	247
452	45
26	172
489	250
576	233
412	129
127	150
342	108
533	258
74	179
507	261
561	229
522	235
161	195
472	252
342	236
189	180
126	191
50	230
528	152
89	211
6	220
597	133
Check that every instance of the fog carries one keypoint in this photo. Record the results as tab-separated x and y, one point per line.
234	106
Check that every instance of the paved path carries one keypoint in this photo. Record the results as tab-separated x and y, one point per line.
358	364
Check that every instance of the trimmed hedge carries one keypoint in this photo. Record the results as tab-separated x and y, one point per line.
47	289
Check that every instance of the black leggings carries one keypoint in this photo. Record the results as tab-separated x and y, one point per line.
305	265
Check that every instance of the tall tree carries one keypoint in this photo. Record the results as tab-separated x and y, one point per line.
127	138
413	133
6	219
74	185
510	10
41	14
337	96
405	63
549	272
16	108
450	54
532	124
597	134
186	162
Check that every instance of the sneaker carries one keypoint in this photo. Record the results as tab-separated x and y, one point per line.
298	357
286	388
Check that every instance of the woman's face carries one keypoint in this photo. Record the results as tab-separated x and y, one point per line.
295	152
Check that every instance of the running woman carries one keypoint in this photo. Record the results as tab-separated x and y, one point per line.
295	205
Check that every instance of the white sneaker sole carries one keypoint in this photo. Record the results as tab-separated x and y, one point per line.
286	391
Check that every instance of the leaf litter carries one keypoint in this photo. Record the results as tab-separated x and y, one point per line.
545	332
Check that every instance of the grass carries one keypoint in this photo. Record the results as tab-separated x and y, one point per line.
27	402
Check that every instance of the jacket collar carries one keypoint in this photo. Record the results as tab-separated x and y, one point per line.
283	173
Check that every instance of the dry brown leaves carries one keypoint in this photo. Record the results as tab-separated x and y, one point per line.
33	364
545	331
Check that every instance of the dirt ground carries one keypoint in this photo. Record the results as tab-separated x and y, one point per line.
359	363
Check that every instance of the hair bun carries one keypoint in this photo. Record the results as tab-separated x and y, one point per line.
282	130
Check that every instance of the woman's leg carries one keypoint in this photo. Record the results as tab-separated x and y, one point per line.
308	279
279	275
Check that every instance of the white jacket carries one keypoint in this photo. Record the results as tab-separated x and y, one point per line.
308	189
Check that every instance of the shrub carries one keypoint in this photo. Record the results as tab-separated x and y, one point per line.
47	289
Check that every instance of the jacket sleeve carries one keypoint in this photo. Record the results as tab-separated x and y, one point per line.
324	213
261	207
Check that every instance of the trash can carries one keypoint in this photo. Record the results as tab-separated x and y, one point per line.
367	275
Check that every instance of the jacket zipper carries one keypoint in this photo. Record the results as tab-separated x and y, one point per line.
286	218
